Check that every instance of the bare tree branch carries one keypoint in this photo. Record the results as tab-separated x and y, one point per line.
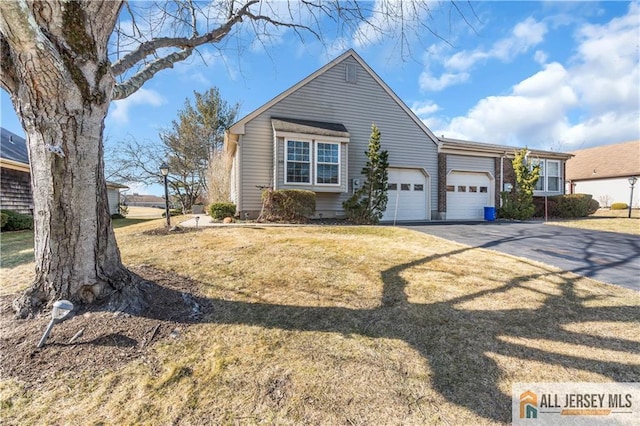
8	78
152	46
121	91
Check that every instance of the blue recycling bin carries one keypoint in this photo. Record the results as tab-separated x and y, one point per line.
490	214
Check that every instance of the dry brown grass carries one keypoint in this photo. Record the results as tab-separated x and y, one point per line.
606	220
348	325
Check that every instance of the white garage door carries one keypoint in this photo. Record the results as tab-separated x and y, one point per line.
408	193
467	195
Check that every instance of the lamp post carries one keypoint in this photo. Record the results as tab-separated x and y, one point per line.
632	181
164	169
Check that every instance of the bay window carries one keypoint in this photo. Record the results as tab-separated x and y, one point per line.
312	162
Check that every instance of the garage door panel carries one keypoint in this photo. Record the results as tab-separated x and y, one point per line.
467	195
407	195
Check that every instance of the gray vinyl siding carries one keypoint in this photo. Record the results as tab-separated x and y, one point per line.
470	164
330	98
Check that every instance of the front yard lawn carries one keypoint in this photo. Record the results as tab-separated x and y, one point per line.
330	325
606	220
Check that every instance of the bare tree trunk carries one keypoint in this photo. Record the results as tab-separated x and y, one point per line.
62	97
75	249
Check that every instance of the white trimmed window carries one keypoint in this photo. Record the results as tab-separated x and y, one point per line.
540	182
298	162
553	176
550	176
312	162
327	163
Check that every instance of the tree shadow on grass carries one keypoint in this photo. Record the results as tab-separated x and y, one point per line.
459	344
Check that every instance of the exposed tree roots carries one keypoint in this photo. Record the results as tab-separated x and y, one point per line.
122	294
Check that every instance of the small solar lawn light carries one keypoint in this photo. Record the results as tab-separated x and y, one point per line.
197	219
61	310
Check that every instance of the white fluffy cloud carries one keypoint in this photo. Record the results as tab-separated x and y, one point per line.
589	100
456	68
119	112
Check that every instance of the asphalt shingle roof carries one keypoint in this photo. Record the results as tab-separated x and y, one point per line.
608	161
13	147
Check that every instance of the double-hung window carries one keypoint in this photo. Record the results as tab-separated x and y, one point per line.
553	176
327	163
298	162
312	162
549	179
541	176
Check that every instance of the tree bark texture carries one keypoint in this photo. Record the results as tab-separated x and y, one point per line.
60	85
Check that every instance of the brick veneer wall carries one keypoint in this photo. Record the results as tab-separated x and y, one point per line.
442	183
509	176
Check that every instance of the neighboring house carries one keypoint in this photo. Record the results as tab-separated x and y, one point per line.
15	177
314	136
15	174
144	201
603	172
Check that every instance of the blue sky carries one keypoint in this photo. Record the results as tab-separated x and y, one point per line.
550	75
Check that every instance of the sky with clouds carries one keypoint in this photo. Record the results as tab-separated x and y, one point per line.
555	75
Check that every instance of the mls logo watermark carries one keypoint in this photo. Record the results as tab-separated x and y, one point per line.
575	403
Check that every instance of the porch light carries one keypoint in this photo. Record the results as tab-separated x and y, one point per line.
61	310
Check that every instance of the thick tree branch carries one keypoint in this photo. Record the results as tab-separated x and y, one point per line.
121	91
8	78
150	47
18	25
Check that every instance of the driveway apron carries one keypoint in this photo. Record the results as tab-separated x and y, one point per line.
605	256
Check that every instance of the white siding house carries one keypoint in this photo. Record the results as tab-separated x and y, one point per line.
604	172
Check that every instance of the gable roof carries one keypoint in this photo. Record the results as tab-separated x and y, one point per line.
238	127
608	161
13	147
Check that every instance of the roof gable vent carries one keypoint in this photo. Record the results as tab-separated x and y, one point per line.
351	73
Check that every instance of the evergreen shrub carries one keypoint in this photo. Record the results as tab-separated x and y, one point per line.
219	211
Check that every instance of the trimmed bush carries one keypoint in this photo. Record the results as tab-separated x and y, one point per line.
619	206
219	211
288	205
16	221
567	206
4	218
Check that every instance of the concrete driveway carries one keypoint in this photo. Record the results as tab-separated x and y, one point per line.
605	256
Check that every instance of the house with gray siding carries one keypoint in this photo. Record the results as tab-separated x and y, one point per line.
314	135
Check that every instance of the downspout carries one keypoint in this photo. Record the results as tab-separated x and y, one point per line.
501	177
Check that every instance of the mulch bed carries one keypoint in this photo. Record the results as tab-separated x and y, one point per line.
108	340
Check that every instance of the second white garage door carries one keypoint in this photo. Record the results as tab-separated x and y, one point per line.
467	195
408	194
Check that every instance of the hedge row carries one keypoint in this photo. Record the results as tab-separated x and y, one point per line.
13	221
566	206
